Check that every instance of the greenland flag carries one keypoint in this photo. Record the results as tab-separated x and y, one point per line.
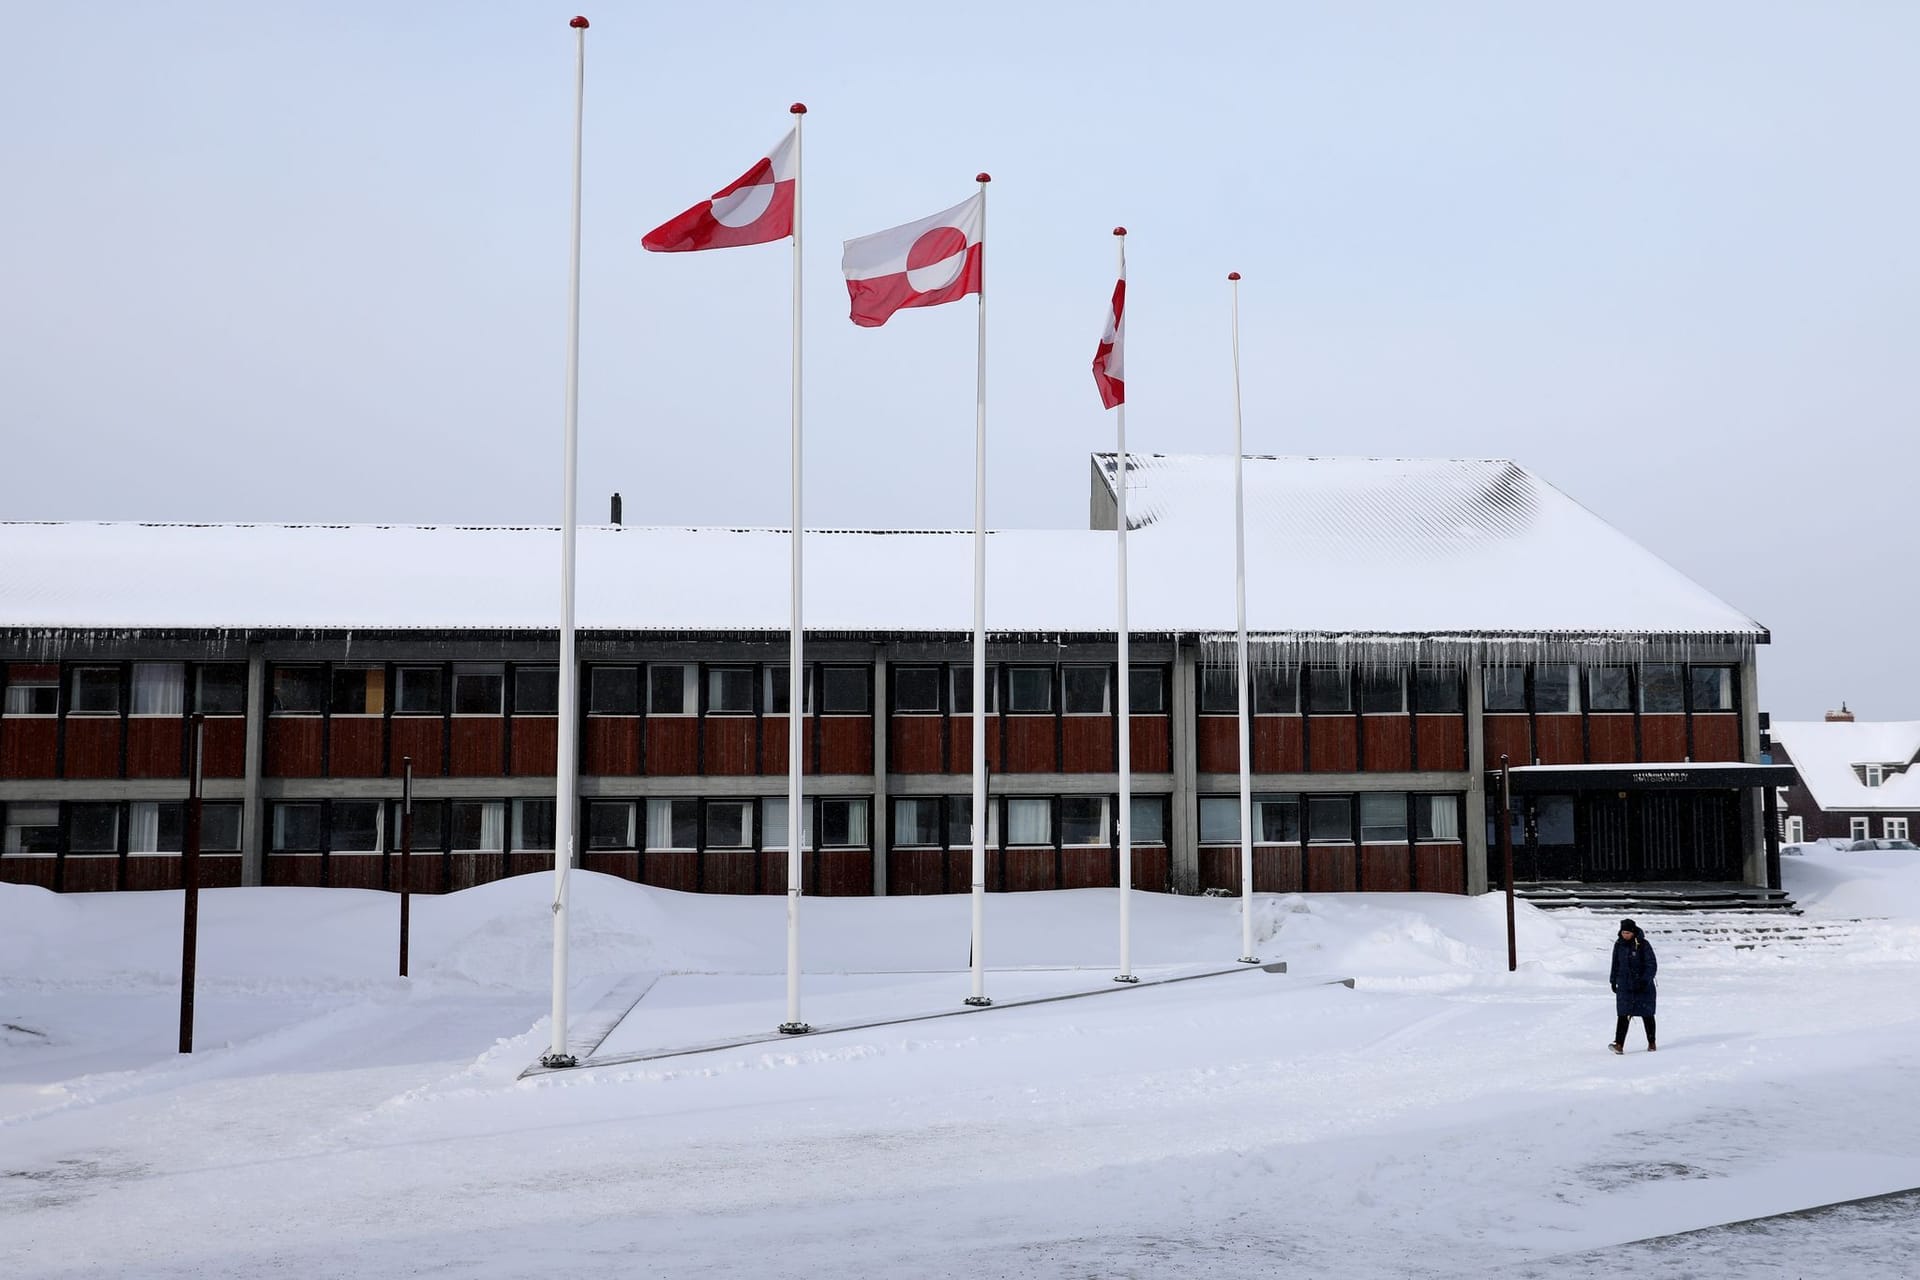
922	264
1109	373
754	209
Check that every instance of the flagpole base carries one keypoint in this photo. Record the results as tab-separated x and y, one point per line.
1126	977
794	1028
558	1061
978	1002
1249	959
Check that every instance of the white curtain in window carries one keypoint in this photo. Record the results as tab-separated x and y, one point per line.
660	823
773	822
857	824
493	825
143	827
1445	812
1029	820
159	689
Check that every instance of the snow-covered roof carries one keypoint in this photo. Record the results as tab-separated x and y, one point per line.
1825	752
1341	547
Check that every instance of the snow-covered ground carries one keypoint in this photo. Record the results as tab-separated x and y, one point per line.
1440	1117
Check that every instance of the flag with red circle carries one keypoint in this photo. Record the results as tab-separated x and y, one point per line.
921	264
754	209
1109	369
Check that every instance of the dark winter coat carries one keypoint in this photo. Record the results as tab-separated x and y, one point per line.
1634	965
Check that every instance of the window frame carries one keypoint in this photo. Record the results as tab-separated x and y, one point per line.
133	690
854	804
276	813
1873	775
74	707
959	836
1397	816
486	808
1629	689
675	816
334	810
471	671
1728	687
1102	820
1574	701
828	707
520	673
200	699
1366	690
960	689
1156	805
769	703
919	805
1428	680
916	670
633	705
16	811
1014	671
24	685
420	670
748	832
1325	804
1106	688
333	688
689	700
517	841
1794	829
1136	706
1859	828
1423	807
1316	679
1680	688
714	677
631	841
1895	828
1030	804
1507	672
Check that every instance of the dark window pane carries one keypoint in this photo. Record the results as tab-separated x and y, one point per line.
730	691
359	691
420	692
1610	688
170	821
356	826
1504	688
1149	820
533	825
95	689
729	824
962	685
1438	691
1383	817
845	691
32	698
1553	819
843	824
1219	819
298	690
221	690
916	822
219	828
32	828
1329	818
1146	691
479	691
613	691
477	826
916	690
1711	688
960	823
1660	688
778	678
610	824
1276	819
667	690
1383	692
1029	690
296	828
93	828
1329	691
1219	691
1555	690
1083	821
1276	691
427	824
1084	690
536	691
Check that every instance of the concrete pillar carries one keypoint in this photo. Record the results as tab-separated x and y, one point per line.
1753	801
1478	805
878	821
253	860
1183	837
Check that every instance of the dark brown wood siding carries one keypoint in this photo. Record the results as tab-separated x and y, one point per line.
1386	868
1151	746
673	749
773	746
1508	735
624	864
1276	868
356	871
293	746
479	747
1716	736
846	747
915	871
1387	743
1084	868
1152	867
960	757
730	745
1441	868
1030	744
1441	742
843	873
420	737
1331	868
89	873
612	746
1559	739
1028	869
728	871
1333	745
676	870
93	746
1279	745
536	747
913	744
155	747
224	747
356	747
1610	738
1663	737
1087	744
28	746
1217	744
39	872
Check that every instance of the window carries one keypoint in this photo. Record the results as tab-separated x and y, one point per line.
1858	828
1661	690
298	691
1219	691
729	824
960	823
1437	692
1276	691
296	828
1610	688
846	691
1894	828
1276	819
1872	774
1796	832
1029	691
1083	691
673	824
536	691
611	691
730	691
420	692
359	691
843	824
1503	688
477	826
773	822
916	690
1710	688
32	830
1383	692
916	823
154	827
219	827
1436	817
962	686
1556	688
32	696
1553	820
1383	817
533	825
670	689
1149	820
1029	820
96	691
1083	821
778	703
479	689
1329	820
429	828
1146	690
356	826
220	690
1329	691
1219	820
159	688
93	828
610	824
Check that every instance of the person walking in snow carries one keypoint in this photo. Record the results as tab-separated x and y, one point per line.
1634	966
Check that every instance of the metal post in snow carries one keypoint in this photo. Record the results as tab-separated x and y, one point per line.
190	879
978	957
796	668
1243	679
566	785
1506	858
406	855
1123	708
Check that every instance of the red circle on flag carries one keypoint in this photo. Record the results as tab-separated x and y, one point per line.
937	258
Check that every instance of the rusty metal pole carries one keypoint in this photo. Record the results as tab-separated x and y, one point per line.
1506	858
406	854
190	878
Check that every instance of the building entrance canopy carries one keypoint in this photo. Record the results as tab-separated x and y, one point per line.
1533	779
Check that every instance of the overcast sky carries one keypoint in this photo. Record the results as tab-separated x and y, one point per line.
308	262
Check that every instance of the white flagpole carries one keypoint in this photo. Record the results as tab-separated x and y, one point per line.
565	765
979	996
1123	701
796	669
1240	618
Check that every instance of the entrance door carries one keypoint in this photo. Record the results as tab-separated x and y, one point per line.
1609	850
1716	836
1550	831
1660	844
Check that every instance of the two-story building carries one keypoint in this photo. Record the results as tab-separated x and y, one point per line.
1859	779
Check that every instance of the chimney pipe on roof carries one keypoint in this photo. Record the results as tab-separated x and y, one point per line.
616	508
1842	716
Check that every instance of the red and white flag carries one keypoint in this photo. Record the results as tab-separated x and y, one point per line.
922	264
1109	370
754	209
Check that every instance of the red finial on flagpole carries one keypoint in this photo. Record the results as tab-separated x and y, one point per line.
1233	275
1119	231
798	108
983	177
579	23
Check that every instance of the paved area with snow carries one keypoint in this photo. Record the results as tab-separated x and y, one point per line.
1441	1118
